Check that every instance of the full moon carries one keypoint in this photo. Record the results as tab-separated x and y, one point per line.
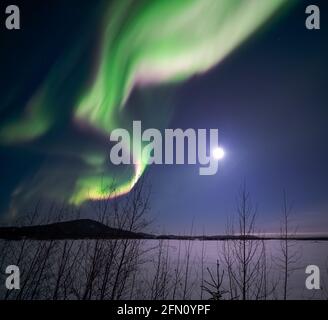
218	153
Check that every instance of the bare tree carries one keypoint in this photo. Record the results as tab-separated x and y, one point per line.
159	287
202	288
214	286
290	253
243	254
186	285
177	278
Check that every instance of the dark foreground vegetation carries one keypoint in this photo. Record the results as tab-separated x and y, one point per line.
116	257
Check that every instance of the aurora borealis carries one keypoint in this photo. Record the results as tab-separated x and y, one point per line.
141	45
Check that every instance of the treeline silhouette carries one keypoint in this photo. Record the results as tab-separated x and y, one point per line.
113	269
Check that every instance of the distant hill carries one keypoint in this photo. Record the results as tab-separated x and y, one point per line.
91	229
76	229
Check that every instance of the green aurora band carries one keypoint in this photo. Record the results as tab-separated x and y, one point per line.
143	44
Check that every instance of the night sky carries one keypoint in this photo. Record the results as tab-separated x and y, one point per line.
268	98
269	101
